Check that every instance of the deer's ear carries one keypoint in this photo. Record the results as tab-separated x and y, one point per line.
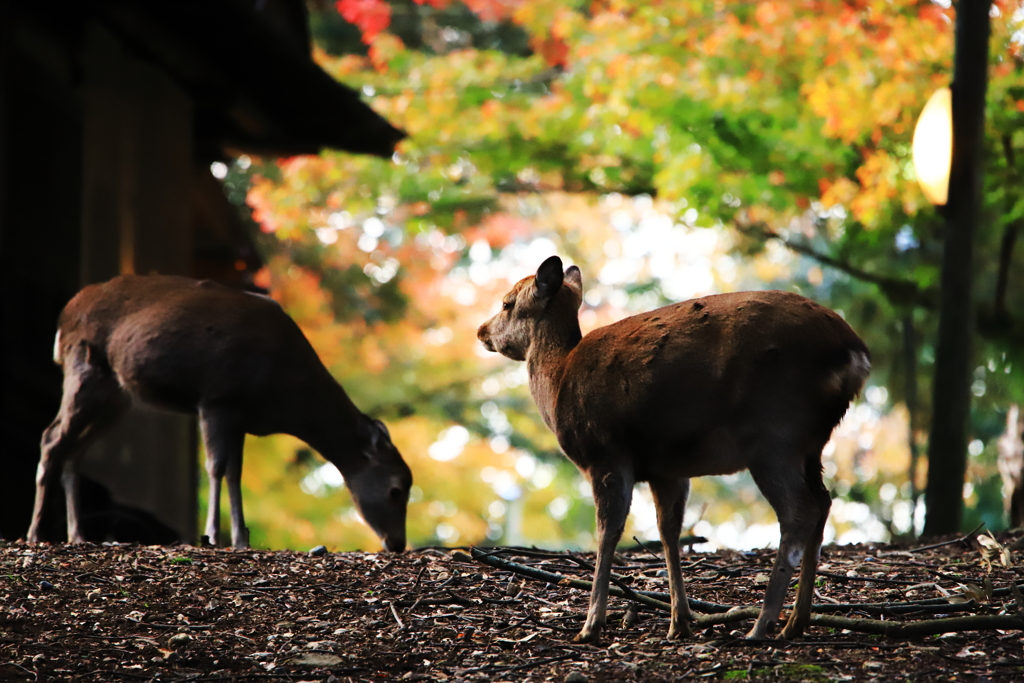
549	277
373	431
574	277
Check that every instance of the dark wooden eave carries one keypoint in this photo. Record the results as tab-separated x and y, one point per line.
254	89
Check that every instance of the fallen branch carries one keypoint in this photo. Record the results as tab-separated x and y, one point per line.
732	616
928	605
519	623
996	593
394	613
446	598
925	627
553	627
933	546
561	580
869	579
892	629
174	627
506	668
626	590
19	666
884	609
641	545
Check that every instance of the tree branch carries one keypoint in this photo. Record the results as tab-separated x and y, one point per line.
897	290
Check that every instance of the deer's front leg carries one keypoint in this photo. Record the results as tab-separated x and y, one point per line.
613	493
670	502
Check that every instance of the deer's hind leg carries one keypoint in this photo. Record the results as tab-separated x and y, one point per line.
801	505
801	615
224	440
92	401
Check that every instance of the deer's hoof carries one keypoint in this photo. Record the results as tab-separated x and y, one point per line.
791	632
679	631
758	633
588	635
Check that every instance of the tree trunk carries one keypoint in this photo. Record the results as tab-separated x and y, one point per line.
910	389
1011	465
947	443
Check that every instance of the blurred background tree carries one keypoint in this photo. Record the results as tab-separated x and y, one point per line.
671	150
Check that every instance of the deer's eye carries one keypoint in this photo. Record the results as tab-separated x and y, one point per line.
507	305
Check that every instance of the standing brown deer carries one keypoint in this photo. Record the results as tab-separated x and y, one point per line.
235	358
751	380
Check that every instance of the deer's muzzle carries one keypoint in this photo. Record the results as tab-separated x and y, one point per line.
484	335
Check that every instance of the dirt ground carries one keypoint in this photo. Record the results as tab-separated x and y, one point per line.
148	613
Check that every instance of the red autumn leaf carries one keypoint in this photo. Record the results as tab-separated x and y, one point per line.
492	10
371	16
554	50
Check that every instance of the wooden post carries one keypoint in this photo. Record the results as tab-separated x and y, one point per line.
136	218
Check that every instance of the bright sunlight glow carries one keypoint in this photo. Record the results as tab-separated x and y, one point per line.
933	146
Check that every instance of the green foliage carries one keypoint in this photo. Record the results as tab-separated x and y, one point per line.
803	672
782	130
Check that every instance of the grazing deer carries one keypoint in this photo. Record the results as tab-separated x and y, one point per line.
235	358
751	380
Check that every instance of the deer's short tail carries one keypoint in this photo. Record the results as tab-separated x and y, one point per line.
848	379
842	384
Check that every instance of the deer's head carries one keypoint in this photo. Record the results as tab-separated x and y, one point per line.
381	487
540	305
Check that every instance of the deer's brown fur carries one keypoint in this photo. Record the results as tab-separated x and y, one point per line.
234	358
750	380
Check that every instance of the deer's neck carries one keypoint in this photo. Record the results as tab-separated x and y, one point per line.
546	362
331	425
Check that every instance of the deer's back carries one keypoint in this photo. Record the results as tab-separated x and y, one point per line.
716	370
176	342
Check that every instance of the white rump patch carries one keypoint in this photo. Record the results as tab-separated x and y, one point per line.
850	378
860	367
